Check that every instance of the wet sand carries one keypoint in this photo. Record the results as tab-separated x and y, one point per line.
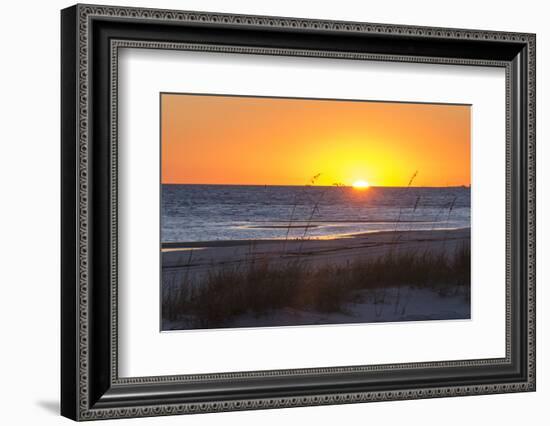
200	256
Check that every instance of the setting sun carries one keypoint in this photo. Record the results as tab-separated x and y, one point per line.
360	184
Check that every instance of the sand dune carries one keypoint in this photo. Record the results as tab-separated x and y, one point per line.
188	265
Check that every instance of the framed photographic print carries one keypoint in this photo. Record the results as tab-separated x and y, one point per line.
263	212
293	211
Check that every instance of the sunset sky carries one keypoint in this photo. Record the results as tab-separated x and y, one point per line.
278	141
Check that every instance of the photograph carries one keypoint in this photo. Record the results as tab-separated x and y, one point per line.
296	211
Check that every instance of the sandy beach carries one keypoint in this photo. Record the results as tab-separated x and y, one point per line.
238	280
200	256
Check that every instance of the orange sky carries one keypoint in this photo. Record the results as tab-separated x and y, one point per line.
271	141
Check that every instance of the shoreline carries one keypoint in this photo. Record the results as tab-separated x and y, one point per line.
185	245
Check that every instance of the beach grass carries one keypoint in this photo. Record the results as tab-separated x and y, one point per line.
260	287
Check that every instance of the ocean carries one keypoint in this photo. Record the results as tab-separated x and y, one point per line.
191	213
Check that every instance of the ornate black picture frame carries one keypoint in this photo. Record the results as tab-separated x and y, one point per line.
91	387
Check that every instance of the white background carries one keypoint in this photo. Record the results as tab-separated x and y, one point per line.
146	352
29	225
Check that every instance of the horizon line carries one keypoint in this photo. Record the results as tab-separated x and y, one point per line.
318	186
